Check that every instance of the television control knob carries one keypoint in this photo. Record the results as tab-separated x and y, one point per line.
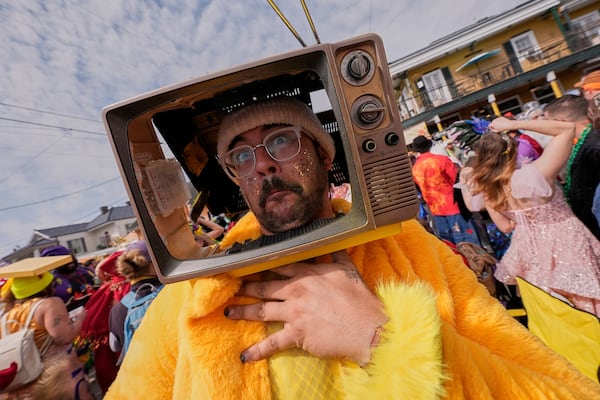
370	112
392	139
369	145
359	66
367	111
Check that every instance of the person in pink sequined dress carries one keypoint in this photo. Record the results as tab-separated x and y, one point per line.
550	246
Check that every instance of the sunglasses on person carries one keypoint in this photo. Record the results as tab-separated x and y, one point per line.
281	145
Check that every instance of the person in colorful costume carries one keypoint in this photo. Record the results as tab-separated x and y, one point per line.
74	283
582	172
136	266
550	247
54	330
95	329
435	175
589	85
400	317
63	378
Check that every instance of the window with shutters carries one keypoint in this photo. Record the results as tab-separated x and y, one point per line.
589	26
408	105
437	87
526	47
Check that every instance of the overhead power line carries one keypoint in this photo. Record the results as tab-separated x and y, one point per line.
59	197
48	112
52	126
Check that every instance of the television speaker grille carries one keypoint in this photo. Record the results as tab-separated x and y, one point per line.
389	184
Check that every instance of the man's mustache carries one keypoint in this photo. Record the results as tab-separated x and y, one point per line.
276	184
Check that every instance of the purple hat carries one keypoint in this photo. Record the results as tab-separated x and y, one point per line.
56	251
140	245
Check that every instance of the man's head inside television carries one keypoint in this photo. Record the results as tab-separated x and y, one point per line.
279	154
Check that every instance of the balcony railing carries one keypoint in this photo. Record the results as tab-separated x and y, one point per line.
474	78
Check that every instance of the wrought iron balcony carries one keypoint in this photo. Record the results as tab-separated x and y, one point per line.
472	78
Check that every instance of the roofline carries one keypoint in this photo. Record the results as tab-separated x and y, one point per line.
43	235
93	228
40	232
483	29
572	5
109	219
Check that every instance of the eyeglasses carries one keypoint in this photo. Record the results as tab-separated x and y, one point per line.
281	145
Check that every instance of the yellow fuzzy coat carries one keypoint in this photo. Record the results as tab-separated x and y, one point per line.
446	337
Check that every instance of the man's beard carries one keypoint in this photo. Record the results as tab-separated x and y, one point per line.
301	212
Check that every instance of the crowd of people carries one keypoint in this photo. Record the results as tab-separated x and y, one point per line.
81	315
398	317
54	305
541	196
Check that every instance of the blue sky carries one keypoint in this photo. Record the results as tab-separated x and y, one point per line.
63	61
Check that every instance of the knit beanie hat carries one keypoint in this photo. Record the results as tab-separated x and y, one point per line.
23	287
283	110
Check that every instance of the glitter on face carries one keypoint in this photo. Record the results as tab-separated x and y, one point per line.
306	165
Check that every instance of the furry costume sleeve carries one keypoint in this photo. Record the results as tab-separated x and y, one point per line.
487	353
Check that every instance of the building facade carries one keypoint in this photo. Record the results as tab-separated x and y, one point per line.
531	53
96	237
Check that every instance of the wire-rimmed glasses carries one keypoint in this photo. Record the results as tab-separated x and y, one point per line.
281	145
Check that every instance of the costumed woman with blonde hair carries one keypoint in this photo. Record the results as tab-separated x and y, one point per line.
550	246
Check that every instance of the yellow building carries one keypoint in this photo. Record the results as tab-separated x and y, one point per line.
532	53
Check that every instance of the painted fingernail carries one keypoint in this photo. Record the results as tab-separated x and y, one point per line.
227	311
242	358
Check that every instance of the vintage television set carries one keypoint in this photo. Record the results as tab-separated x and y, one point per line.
165	143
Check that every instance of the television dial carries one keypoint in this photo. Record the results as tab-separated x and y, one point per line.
367	111
357	67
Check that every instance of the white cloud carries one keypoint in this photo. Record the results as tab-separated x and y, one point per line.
75	57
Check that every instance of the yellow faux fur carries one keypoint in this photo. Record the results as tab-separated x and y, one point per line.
407	364
186	349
